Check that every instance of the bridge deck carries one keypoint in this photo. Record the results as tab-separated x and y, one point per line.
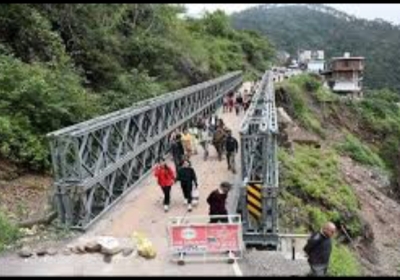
141	210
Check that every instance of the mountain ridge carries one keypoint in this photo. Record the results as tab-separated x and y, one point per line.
306	26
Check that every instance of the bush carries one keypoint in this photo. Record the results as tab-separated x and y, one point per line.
295	89
8	232
360	152
36	99
20	145
343	262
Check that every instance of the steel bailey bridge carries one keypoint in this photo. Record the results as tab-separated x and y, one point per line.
95	163
260	175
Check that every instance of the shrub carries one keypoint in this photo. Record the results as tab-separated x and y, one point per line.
343	262
295	89
8	232
359	151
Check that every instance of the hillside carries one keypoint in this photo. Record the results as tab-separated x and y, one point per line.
293	27
61	64
340	163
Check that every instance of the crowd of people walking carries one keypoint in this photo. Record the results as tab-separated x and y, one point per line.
212	131
198	137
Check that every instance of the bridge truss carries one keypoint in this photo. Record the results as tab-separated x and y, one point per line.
258	195
95	163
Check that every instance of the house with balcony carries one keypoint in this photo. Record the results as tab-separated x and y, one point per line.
345	75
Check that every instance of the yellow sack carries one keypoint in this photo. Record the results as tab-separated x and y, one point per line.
144	247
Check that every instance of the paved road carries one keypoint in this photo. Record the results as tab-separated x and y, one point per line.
141	210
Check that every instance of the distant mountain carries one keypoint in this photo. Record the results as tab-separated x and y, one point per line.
315	26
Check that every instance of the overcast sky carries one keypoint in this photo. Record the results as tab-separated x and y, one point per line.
388	12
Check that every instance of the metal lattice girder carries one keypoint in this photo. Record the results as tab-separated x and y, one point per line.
259	131
108	155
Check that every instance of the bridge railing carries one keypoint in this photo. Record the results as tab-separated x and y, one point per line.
258	198
96	161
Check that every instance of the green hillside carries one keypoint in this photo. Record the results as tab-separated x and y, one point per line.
293	27
61	64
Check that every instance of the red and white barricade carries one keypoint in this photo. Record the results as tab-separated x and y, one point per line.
195	238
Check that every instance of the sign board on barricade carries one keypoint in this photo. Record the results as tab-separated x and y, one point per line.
191	237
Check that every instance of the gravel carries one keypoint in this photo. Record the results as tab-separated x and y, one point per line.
271	263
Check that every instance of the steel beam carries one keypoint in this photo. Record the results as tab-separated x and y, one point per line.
259	131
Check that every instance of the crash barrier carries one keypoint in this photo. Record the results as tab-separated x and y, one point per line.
194	238
293	245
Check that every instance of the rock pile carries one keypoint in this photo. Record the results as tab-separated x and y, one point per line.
108	246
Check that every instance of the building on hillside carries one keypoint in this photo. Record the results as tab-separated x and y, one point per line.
345	75
293	65
282	57
312	61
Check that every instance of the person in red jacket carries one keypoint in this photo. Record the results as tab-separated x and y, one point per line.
165	178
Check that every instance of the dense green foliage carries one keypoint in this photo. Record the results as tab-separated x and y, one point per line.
61	64
294	27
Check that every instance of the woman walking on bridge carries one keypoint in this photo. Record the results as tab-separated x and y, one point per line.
165	178
187	177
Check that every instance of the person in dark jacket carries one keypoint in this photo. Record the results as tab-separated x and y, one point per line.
217	200
177	151
187	177
165	179
218	140
231	147
319	248
238	103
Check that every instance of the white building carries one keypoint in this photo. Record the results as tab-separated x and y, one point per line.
312	61
316	66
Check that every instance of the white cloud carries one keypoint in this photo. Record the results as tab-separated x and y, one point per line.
388	12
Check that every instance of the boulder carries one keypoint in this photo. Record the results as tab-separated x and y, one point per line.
41	252
109	245
92	246
52	252
25	253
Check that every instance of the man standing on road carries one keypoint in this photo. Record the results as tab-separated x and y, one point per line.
319	248
231	147
217	202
